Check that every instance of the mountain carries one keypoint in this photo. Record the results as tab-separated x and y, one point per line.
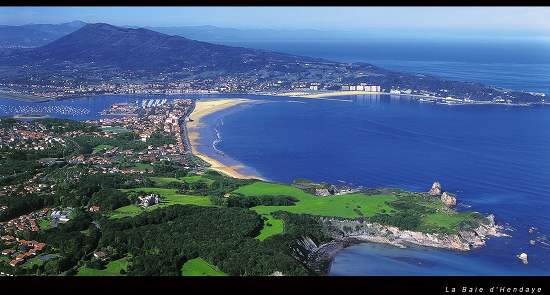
33	35
103	45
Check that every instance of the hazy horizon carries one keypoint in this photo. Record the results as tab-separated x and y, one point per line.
438	22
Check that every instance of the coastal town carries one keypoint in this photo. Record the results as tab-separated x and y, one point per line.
278	88
155	127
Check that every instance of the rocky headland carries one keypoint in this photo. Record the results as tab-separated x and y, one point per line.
347	232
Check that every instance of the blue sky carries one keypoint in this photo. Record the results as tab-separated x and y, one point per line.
505	20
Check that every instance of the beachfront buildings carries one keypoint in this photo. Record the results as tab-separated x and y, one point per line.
361	87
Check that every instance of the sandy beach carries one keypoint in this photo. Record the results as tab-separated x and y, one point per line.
206	107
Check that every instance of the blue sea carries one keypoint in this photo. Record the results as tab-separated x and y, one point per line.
495	158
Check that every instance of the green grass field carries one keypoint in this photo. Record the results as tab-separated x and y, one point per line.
126	211
115	129
169	197
31	262
347	206
435	216
445	222
112	269
143	167
163	181
200	267
44	223
102	148
272	226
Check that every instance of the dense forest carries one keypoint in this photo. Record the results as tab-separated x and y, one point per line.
161	241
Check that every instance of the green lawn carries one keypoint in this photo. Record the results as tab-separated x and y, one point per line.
33	261
112	269
37	261
102	148
200	267
115	129
144	167
446	222
272	226
347	206
169	197
162	181
126	211
44	223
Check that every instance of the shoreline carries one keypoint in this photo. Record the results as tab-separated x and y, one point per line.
24	97
203	108
329	95
418	97
322	256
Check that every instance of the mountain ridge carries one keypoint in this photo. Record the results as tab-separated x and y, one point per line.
135	49
34	35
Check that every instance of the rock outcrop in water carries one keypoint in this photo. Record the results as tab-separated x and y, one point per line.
436	189
448	199
523	258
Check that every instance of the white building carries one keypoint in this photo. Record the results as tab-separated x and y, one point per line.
148	200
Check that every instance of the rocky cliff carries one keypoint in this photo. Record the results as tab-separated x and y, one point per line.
347	232
372	232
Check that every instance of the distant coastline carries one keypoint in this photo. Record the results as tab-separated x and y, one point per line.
420	97
204	108
322	95
22	97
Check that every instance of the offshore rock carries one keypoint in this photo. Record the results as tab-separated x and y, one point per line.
523	258
448	199
436	189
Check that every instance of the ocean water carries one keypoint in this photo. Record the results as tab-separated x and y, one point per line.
495	158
